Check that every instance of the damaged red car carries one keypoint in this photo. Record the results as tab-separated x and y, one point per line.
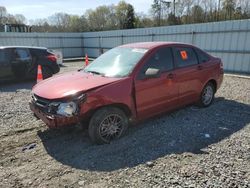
128	83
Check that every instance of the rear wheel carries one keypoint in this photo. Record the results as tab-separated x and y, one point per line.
107	124
207	95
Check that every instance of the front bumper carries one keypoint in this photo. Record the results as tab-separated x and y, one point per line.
53	121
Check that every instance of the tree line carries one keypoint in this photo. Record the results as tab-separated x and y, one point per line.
123	16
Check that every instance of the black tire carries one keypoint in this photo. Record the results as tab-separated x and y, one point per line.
207	95
107	124
47	72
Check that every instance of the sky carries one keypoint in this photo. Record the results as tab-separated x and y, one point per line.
34	9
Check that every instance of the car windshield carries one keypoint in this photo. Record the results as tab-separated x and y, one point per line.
117	62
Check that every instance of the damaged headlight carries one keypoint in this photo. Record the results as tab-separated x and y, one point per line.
65	109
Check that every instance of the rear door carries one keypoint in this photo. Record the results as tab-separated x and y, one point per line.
209	67
159	94
188	74
5	66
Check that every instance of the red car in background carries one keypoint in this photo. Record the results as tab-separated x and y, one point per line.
128	83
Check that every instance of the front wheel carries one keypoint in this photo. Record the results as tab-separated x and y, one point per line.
207	95
107	124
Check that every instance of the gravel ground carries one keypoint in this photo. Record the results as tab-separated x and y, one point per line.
190	147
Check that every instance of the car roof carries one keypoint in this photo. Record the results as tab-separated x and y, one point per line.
150	45
30	47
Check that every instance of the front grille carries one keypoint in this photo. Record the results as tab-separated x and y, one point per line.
40	102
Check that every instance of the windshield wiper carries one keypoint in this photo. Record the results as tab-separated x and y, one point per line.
95	72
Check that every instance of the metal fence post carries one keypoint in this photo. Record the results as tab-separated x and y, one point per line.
82	44
152	37
122	40
193	37
100	45
37	40
61	44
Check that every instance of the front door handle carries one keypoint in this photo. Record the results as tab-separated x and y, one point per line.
170	76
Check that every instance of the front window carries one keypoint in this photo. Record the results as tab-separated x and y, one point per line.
117	62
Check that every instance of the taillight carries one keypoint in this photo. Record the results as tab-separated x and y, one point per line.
52	58
221	68
221	65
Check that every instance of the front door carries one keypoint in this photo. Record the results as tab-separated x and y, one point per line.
156	94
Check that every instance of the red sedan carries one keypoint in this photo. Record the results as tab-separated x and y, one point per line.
128	83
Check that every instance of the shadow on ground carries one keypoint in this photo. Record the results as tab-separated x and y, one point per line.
186	130
14	86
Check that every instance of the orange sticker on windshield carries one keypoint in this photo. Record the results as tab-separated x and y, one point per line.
184	55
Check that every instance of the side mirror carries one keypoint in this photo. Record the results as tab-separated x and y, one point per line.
152	73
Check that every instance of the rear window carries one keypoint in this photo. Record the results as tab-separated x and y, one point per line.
22	54
185	56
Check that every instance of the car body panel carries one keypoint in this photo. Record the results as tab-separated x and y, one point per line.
53	121
156	95
117	93
69	84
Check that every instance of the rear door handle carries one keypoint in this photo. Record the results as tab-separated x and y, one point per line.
200	67
170	76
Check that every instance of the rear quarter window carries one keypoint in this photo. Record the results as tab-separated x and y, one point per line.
185	56
202	56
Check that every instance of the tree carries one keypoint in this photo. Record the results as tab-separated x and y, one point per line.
20	19
60	20
3	15
173	20
142	21
156	10
130	18
228	8
159	10
125	15
197	14
100	19
188	4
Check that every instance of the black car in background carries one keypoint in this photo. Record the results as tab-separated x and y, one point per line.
20	62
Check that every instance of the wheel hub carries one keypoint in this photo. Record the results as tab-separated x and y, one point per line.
207	95
111	127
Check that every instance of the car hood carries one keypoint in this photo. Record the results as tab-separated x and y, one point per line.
63	85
